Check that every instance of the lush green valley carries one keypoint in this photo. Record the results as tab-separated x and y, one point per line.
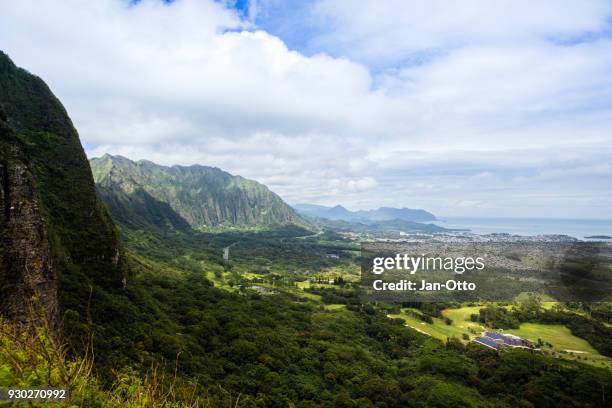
208	290
281	321
188	308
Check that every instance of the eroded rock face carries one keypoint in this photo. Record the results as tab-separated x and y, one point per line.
59	246
28	282
180	197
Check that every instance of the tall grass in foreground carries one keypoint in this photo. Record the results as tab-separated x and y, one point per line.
34	358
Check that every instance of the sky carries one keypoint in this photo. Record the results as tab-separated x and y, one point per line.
473	108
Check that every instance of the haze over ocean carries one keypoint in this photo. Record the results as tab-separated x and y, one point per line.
578	228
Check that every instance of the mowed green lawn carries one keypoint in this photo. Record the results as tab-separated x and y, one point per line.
440	330
461	317
335	307
563	341
558	335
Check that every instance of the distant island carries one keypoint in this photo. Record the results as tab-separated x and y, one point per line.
339	213
599	237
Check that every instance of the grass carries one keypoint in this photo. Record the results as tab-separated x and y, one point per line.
349	272
220	282
311	296
558	335
250	275
335	307
461	317
548	305
35	359
564	343
438	329
307	284
303	284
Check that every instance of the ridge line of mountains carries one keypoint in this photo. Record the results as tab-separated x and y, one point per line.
145	194
142	194
340	213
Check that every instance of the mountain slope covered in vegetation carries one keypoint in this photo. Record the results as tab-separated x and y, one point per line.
202	196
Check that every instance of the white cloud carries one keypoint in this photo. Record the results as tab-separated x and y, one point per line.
392	30
362	184
501	108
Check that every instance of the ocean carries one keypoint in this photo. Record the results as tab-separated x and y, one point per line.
529	226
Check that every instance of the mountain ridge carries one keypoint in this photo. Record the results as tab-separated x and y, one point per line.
203	196
340	213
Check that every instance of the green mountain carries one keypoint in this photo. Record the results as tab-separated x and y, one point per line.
54	231
144	193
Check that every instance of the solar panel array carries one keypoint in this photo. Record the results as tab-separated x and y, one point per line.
513	342
487	342
495	336
497	340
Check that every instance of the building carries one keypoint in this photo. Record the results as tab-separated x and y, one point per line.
498	341
487	342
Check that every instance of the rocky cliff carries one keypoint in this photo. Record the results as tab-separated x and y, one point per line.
57	238
28	282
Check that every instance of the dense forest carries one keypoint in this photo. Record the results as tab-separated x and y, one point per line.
273	349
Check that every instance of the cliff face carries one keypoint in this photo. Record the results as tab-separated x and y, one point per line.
28	282
54	230
200	195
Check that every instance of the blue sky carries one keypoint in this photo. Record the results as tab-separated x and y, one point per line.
462	108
